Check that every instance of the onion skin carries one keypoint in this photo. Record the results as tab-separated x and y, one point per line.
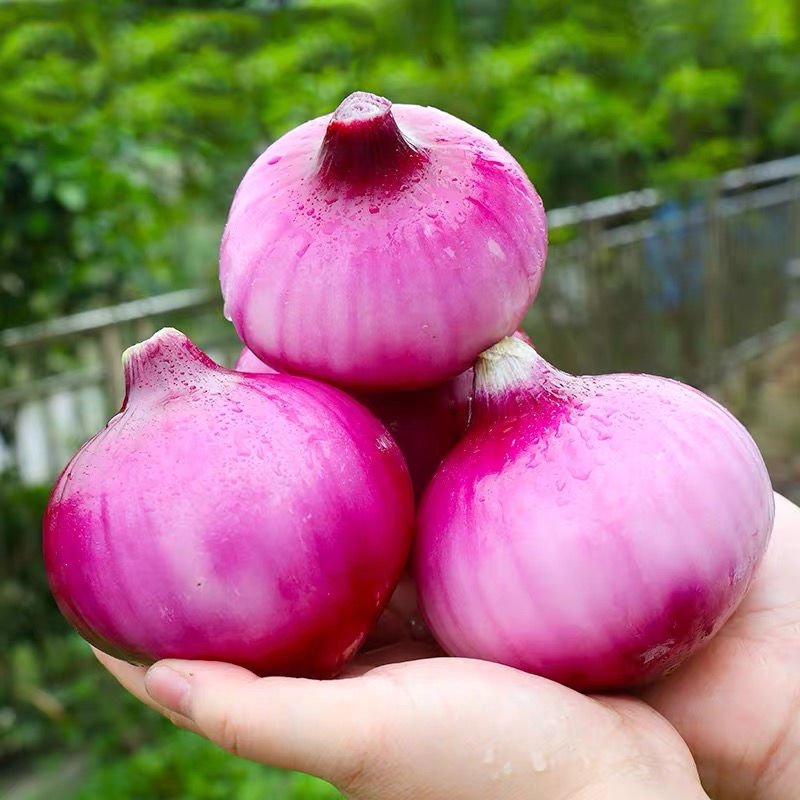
426	424
248	361
593	530
381	247
262	520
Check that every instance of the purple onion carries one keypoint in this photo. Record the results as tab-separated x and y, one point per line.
381	247
594	530
426	424
262	520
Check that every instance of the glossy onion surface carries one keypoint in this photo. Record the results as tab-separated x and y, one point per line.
256	519
381	247
426	424
593	530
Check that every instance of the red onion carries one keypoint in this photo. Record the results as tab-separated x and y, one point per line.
426	424
594	530
381	247
248	361
256	519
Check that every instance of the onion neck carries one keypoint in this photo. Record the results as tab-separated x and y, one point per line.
167	363
512	379
364	145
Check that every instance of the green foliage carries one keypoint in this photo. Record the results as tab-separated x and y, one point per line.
181	765
58	697
26	608
125	126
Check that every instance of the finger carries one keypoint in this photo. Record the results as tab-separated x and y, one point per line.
785	541
320	727
132	678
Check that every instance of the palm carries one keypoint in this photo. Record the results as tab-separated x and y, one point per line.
476	704
402	722
736	701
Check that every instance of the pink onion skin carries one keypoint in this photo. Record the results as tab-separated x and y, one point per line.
381	247
593	530
248	361
426	424
262	520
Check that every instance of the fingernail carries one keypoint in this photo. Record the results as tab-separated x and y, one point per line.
168	687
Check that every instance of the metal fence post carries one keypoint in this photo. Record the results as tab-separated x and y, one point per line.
111	347
714	322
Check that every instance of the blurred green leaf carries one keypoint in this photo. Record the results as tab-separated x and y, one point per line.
125	123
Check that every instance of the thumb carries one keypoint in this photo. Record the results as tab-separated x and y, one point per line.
319	727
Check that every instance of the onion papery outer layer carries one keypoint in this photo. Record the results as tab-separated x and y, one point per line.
262	520
593	530
394	276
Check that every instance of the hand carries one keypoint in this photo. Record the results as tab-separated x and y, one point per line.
403	726
460	729
737	702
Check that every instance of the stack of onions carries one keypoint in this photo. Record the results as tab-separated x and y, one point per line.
594	530
426	424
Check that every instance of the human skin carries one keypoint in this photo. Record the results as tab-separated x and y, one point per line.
737	702
404	723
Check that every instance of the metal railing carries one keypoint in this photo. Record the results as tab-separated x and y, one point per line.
634	282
